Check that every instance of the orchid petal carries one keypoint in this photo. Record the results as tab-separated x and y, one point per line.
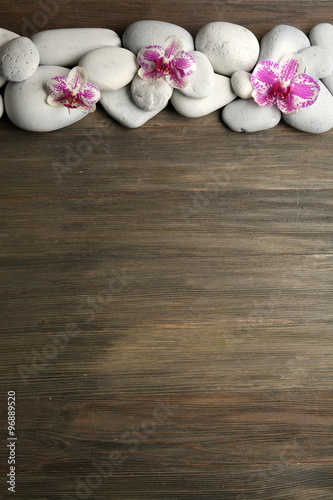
290	66
264	100
148	56
185	63
77	78
89	95
148	75
175	80
173	46
58	85
264	76
285	105
304	91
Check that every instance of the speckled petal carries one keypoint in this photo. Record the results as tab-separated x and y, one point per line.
263	100
148	56
173	46
304	91
290	66
77	78
264	76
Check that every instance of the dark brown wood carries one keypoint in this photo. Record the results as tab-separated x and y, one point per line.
166	293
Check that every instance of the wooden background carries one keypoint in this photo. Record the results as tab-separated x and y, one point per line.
166	292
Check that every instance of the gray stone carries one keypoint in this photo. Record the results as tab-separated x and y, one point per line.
317	118
144	33
246	116
5	37
150	95
110	68
318	61
280	41
119	105
229	47
322	35
26	106
241	84
221	95
1	106
201	81
19	59
65	47
328	81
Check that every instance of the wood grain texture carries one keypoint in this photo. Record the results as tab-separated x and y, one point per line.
166	293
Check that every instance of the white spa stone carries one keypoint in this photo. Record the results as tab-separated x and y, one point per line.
110	68
65	47
241	84
322	35
19	59
150	95
318	61
280	41
228	46
221	95
144	33
26	106
244	115
201	81
5	37
328	81
119	105
1	106
317	118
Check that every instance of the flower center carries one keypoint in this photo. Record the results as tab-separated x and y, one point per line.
71	100
163	65
280	90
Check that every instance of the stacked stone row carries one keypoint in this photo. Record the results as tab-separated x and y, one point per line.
225	54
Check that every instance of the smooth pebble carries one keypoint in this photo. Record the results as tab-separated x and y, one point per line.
19	59
1	106
322	35
280	41
221	95
150	95
245	115
241	84
318	61
317	118
65	47
5	37
26	106
119	105
328	81
228	46
110	68
144	33
201	81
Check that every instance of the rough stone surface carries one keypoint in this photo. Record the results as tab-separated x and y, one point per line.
5	37
19	59
110	68
246	116
143	33
280	41
26	106
317	118
65	47
241	84
318	61
221	95
151	95
229	47
201	81
120	106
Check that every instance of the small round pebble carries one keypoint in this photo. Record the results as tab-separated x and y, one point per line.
19	59
241	83
246	116
229	47
150	94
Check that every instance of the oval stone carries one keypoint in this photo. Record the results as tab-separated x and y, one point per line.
317	118
280	41
241	83
318	61
110	68
5	37
119	105
221	95
201	81
150	95
65	47
1	106
26	106
244	115
228	46
19	59
144	33
322	35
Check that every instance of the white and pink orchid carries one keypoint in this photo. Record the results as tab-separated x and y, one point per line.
284	84
169	61
73	91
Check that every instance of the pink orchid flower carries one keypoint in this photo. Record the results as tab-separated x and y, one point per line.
284	84
73	91
169	61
